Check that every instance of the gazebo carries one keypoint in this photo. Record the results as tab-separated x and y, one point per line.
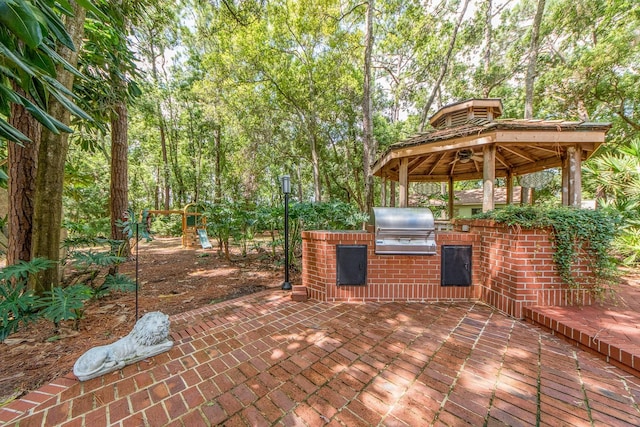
469	142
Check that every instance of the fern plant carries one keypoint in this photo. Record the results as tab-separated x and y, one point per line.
17	303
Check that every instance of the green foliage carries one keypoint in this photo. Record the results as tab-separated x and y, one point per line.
21	271
321	216
133	228
222	223
614	177
67	303
87	266
167	226
334	215
82	229
575	233
16	301
114	283
591	231
29	29
86	193
85	260
228	220
16	307
72	243
627	245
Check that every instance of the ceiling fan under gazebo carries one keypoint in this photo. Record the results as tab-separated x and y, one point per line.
467	155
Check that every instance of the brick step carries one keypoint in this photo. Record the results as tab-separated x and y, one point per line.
299	288
299	293
601	342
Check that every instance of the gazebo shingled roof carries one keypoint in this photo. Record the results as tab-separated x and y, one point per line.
471	143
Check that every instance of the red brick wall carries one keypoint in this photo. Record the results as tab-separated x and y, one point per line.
512	268
389	277
517	268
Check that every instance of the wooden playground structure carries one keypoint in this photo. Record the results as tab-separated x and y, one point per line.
192	221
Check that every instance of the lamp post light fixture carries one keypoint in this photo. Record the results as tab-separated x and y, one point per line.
285	183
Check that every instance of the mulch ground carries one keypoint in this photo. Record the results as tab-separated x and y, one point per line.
172	279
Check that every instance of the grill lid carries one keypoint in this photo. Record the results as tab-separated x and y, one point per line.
408	231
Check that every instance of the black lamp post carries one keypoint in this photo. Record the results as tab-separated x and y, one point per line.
286	189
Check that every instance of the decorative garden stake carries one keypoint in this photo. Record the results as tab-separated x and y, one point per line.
137	241
128	229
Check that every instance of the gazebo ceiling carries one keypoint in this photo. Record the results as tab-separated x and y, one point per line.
521	147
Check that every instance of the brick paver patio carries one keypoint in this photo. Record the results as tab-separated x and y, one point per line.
265	360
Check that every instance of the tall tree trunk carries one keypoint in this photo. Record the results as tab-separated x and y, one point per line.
532	60
488	36
156	188
217	147
165	160
369	143
178	187
119	188
23	162
445	67
47	218
162	125
315	159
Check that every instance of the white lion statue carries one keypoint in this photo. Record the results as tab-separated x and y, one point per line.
149	337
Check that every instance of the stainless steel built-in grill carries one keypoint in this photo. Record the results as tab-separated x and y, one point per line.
409	231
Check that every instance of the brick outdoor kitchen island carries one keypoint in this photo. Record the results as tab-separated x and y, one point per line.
510	269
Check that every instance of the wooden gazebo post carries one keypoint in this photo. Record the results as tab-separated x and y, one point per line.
383	192
572	177
488	177
451	197
404	182
509	187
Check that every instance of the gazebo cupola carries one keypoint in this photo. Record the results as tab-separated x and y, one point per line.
470	142
460	113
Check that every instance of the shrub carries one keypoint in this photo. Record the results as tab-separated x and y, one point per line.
60	303
114	283
17	303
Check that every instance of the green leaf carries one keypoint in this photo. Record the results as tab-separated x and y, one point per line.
17	60
59	59
119	283
8	72
18	17
73	108
55	25
83	260
41	61
12	134
47	121
9	94
16	307
93	9
64	303
22	269
65	7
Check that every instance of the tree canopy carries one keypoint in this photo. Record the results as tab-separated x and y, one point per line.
226	96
